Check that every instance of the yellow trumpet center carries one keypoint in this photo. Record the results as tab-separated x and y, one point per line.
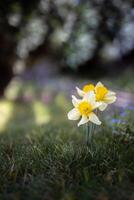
85	108
101	92
88	88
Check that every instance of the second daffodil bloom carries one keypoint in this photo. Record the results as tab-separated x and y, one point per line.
102	94
85	89
85	109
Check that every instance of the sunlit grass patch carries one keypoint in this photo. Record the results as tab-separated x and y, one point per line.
18	115
41	113
6	109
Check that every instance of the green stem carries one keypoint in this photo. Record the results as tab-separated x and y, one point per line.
87	139
89	134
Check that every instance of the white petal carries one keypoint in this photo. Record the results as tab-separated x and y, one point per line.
90	97
97	104
75	101
83	120
99	84
110	100
73	114
103	106
93	118
80	92
110	93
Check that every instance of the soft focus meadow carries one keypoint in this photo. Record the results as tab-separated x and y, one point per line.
45	156
47	49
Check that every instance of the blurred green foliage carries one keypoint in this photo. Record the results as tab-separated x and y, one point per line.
74	31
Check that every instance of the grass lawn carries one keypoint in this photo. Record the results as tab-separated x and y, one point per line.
43	156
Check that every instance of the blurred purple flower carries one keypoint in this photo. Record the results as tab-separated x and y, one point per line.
123	114
117	121
114	121
130	108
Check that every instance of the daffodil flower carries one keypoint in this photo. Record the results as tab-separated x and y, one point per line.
84	108
102	94
85	89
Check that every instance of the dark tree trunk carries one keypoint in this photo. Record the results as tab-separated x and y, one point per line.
6	74
7	58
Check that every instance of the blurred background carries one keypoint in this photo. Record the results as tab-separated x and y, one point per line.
47	47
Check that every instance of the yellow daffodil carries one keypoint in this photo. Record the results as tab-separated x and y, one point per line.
85	89
102	94
84	108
